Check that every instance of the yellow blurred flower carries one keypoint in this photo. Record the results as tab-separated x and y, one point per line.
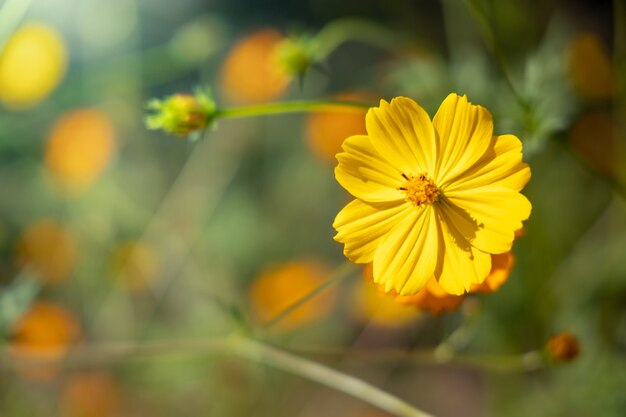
432	198
91	394
252	72
44	332
276	289
327	129
564	347
79	148
135	265
32	64
596	140
48	249
590	72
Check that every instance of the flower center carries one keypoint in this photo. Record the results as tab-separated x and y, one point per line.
420	189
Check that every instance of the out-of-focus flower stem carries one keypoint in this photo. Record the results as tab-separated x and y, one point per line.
244	347
288	107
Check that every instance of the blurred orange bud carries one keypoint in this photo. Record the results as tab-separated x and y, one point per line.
327	129
589	68
79	148
48	249
564	347
252	71
596	139
91	394
44	332
135	265
276	289
32	63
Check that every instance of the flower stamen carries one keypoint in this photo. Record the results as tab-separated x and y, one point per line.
419	189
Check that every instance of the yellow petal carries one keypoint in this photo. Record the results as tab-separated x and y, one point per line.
365	174
460	264
406	257
360	226
464	133
499	212
402	133
501	164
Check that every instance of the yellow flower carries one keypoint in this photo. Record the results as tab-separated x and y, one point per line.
32	63
433	198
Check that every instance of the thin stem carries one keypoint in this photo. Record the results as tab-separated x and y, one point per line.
289	107
480	15
340	273
339	31
324	375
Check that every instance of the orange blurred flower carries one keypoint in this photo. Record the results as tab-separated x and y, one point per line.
327	129
32	63
278	288
252	72
135	265
44	332
564	347
596	139
48	249
590	72
91	394
80	147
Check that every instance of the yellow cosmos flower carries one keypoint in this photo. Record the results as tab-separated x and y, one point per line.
433	198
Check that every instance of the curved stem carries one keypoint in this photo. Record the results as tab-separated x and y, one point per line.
339	31
326	376
289	107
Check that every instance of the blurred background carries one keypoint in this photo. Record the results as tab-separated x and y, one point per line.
112	233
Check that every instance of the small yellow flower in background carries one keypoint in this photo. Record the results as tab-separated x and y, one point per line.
48	249
46	331
327	129
79	148
252	71
276	289
590	72
135	265
32	64
181	114
596	139
433	198
91	394
564	347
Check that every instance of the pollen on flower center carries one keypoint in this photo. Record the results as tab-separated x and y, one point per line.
419	189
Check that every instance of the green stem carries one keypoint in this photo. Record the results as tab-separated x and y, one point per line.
480	15
340	273
288	107
11	14
339	31
324	375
